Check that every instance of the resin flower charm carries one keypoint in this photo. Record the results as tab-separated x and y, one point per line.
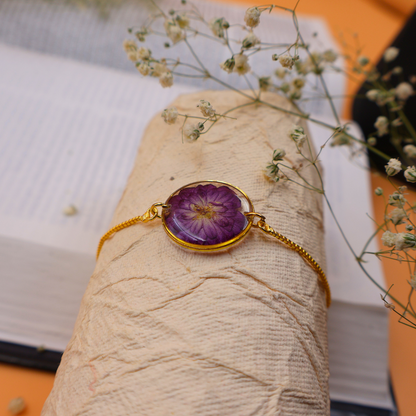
206	214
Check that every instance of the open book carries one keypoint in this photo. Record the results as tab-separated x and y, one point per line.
69	134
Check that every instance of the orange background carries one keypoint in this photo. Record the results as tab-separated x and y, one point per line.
376	22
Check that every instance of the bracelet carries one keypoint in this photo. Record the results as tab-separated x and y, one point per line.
209	216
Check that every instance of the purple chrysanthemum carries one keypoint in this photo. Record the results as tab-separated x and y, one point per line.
205	215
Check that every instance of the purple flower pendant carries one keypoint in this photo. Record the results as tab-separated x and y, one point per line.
207	215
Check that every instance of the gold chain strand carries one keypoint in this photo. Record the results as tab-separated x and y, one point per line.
149	215
296	247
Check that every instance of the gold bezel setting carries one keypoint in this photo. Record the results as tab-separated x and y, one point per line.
213	247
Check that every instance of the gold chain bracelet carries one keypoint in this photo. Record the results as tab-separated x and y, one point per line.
209	216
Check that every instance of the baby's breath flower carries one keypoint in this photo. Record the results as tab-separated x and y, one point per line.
143	53
173	31
70	210
372	141
278	154
393	167
271	172
363	60
16	405
129	45
191	132
389	305
405	240
397	70
241	64
158	69
141	34
298	82
166	79
409	227
228	65
252	17
373	75
218	25
397	216
264	83
329	56
297	134
379	191
340	138
286	61
285	87
410	174
250	40
143	68
388	239
280	73
382	125
410	150
206	109
396	199
182	20
372	95
404	90
390	54
170	115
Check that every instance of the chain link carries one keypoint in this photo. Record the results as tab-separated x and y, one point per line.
261	223
149	215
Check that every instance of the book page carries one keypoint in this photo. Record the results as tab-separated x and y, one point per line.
69	135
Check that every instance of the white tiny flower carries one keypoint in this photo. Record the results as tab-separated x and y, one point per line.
297	134
143	68
158	69
271	171
280	73
286	61
410	174
390	54
228	65
170	115
372	95
379	191
382	125
279	154
264	83
206	108
143	53
397	70
329	56
405	240
70	210
166	79
396	199
250	40
241	64
388	239
404	90
16	405
182	20
410	150
363	60
252	17
397	216
393	167
298	83
173	31
191	132
217	26
129	45
340	139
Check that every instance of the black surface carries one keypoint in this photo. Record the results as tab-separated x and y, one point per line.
365	112
29	356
